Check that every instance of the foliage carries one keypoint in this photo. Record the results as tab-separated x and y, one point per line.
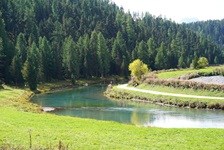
138	69
194	63
211	28
30	70
202	62
159	42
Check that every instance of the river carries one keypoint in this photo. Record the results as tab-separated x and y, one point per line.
89	102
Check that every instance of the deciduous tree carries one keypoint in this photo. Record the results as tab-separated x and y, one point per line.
138	69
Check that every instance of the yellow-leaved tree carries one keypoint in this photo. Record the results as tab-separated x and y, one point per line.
138	69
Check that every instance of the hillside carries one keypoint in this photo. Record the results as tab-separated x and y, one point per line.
67	39
212	29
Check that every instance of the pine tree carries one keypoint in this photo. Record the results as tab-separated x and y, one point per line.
181	63
161	61
151	52
195	61
16	70
93	53
30	68
47	65
70	59
119	54
103	55
86	56
21	47
143	52
131	37
6	52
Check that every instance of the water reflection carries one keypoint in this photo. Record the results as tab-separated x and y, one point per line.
89	102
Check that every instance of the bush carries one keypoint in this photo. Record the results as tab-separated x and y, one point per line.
202	62
184	84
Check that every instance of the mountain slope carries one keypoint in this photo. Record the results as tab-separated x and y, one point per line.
80	38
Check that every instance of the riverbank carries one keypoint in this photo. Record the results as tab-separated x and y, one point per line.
22	129
143	93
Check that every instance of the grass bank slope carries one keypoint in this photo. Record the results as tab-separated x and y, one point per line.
75	133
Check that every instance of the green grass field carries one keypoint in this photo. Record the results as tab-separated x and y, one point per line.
17	124
187	91
178	73
47	130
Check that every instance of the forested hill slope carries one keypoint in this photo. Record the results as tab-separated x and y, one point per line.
42	40
212	29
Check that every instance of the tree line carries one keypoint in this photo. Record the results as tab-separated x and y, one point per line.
43	40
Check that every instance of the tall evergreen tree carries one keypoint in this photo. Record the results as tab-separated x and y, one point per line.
161	60
21	47
119	53
131	37
16	70
6	52
151	52
93	53
103	55
30	68
57	41
195	61
47	63
181	63
143	52
71	59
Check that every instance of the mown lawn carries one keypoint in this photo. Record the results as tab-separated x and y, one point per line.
46	130
178	73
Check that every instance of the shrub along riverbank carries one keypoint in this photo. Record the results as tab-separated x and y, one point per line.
22	128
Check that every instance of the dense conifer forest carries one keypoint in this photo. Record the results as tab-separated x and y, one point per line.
44	40
211	29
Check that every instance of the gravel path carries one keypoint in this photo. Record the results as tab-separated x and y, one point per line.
210	80
124	86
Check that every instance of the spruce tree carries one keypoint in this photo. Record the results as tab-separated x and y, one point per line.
119	54
103	55
151	52
16	70
93	53
47	64
143	52
21	47
70	59
30	68
161	60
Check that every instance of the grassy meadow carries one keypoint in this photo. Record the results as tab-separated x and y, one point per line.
187	91
47	130
178	73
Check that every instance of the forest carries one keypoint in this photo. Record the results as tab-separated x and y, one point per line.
44	40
